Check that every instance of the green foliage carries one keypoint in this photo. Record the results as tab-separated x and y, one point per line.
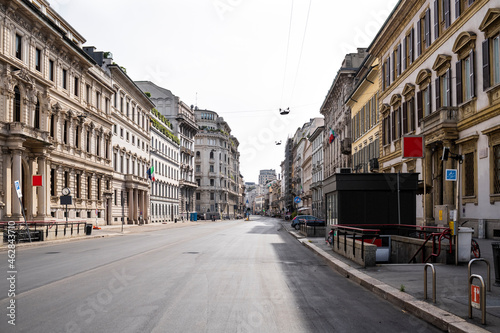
147	94
158	125
162	118
402	288
293	215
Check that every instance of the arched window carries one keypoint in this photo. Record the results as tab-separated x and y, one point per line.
211	154
36	122
17	104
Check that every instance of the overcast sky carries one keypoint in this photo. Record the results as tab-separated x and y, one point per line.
230	56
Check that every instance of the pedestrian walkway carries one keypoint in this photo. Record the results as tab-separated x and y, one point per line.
403	285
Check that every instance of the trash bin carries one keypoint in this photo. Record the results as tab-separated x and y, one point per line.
464	243
496	262
88	229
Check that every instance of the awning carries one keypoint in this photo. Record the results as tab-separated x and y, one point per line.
303	208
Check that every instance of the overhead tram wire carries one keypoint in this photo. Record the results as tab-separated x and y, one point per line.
286	56
301	49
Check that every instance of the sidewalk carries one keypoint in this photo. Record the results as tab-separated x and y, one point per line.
450	313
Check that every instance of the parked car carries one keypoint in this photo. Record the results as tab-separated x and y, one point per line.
311	221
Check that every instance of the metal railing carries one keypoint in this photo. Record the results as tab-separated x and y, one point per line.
353	233
40	229
482	297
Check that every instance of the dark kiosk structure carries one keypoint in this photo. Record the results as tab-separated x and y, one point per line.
371	198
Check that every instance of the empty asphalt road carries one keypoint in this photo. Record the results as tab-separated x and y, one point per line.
233	276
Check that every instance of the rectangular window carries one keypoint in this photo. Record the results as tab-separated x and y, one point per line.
198	196
53	182
77	136
51	70
212	196
77	88
66	179
78	185
64	79
89	187
98	100
98	189
496	59
98	145
211	168
469	174
89	91
88	142
496	169
19	46
65	132
38	59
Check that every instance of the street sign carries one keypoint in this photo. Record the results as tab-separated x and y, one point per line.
413	146
37	180
18	189
451	175
297	200
475	300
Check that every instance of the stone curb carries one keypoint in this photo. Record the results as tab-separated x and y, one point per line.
438	317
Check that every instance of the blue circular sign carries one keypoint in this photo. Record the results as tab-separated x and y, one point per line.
297	200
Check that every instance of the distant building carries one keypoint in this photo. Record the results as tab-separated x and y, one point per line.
266	175
217	166
184	127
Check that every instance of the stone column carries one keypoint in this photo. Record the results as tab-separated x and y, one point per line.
42	199
145	205
131	205
136	205
16	175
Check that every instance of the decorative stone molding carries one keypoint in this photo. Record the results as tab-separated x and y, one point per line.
442	64
491	23
464	43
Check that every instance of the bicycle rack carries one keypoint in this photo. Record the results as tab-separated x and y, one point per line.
433	282
488	270
483	297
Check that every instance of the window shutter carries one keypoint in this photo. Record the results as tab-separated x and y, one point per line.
486	64
459	82
388	72
405	118
383	76
447	14
411	106
384	131
448	91
405	55
429	100
412	43
438	93
420	110
457	8
393	71
419	38
472	75
393	127
436	19
428	27
399	59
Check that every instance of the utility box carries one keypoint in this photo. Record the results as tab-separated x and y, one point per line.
442	215
464	244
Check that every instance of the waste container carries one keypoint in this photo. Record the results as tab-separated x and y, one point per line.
194	216
88	229
496	262
464	243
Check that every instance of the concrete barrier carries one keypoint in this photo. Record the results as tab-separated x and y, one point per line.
312	231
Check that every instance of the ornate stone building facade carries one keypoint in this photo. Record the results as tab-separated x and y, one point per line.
440	78
184	127
55	117
217	167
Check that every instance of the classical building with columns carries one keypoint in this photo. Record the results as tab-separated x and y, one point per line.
55	117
